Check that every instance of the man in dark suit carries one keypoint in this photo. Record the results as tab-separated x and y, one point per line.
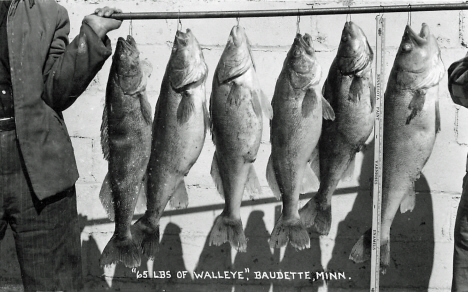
41	75
458	88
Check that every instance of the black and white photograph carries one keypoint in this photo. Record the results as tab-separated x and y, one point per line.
234	145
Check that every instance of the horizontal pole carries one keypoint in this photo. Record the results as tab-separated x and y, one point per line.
291	12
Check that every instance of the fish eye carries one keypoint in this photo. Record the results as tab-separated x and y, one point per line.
297	53
407	47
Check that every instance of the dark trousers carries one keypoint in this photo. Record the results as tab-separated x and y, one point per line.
460	252
46	233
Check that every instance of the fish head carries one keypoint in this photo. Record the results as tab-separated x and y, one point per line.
236	58
187	64
126	63
419	56
354	53
301	60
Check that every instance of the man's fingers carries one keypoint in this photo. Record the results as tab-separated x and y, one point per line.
106	11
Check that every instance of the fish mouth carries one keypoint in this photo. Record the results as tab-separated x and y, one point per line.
183	38
421	38
349	31
238	35
128	43
304	42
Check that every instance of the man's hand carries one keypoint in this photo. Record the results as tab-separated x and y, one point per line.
101	22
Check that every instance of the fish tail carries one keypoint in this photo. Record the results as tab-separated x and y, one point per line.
292	231
105	196
315	217
308	213
384	256
179	199
121	250
361	251
252	187
146	236
228	230
322	222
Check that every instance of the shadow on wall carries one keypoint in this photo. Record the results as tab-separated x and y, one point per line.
412	239
258	257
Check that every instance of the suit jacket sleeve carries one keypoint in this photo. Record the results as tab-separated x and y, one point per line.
70	67
458	81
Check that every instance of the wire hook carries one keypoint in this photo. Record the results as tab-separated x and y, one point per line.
298	23
130	28
409	15
238	18
349	12
381	14
179	22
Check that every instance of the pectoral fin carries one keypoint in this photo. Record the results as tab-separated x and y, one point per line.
105	134
416	105
309	103
186	108
327	110
146	109
437	109
237	94
355	90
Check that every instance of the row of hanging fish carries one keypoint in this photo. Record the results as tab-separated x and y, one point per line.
314	134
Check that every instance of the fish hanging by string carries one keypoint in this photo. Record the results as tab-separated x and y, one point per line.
350	91
126	141
298	110
236	115
411	122
179	129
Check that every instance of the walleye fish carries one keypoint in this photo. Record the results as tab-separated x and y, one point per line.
350	91
236	116
126	142
298	110
411	122
179	129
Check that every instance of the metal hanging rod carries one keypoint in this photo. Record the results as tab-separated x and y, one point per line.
291	12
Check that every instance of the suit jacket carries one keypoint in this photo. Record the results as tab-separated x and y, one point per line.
48	73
